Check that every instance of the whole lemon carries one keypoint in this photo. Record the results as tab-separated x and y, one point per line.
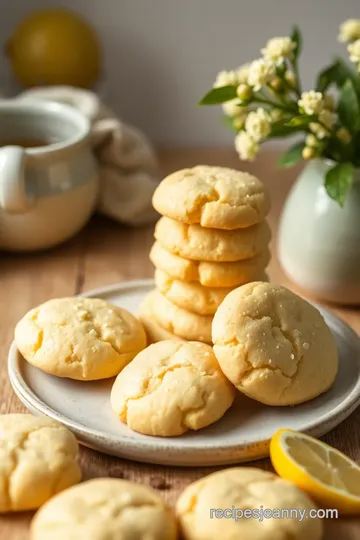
53	47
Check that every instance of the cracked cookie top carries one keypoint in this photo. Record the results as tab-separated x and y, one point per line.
215	197
273	345
171	387
239	489
37	460
79	338
105	508
195	242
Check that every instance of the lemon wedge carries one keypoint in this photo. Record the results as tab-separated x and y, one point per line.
327	475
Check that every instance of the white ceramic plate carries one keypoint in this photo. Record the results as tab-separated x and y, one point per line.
241	435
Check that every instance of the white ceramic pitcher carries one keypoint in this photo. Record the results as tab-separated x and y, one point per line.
47	193
319	241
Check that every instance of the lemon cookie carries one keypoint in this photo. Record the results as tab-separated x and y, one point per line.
154	331
179	321
195	242
105	508
37	460
215	197
170	388
273	345
79	338
231	504
190	296
210	274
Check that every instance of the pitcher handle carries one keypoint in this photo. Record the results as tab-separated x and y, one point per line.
13	196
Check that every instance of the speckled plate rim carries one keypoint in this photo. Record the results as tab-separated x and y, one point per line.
212	453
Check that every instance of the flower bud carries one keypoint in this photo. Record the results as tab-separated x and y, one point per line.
311	141
329	102
308	152
277	84
290	78
244	92
239	122
343	135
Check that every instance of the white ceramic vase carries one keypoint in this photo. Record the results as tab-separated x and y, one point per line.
318	241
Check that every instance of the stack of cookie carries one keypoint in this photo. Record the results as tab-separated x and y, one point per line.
212	238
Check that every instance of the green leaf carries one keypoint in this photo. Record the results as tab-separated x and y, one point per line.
219	95
349	109
292	156
337	73
301	121
338	182
326	78
297	39
345	71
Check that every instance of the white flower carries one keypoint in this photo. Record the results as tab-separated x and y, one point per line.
246	147
232	108
260	73
311	102
349	30
258	125
225	78
242	73
278	48
354	51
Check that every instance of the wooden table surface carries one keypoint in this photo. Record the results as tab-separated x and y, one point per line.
105	253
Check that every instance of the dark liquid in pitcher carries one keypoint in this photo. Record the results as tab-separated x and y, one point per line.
25	143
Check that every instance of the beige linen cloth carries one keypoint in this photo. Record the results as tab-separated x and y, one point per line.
129	170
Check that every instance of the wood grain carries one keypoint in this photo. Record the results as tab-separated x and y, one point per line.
106	253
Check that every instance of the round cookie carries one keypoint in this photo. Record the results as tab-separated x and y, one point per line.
215	197
79	338
230	492
190	296
105	508
273	345
37	460
170	388
189	326
210	274
153	330
195	242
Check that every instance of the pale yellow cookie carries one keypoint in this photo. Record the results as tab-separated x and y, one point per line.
213	508
190	296
38	458
210	274
79	338
170	388
215	197
183	323
153	330
273	345
105	509
195	242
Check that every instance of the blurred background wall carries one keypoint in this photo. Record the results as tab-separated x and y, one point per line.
161	56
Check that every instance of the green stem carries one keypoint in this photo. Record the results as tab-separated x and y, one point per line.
274	104
291	88
297	77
